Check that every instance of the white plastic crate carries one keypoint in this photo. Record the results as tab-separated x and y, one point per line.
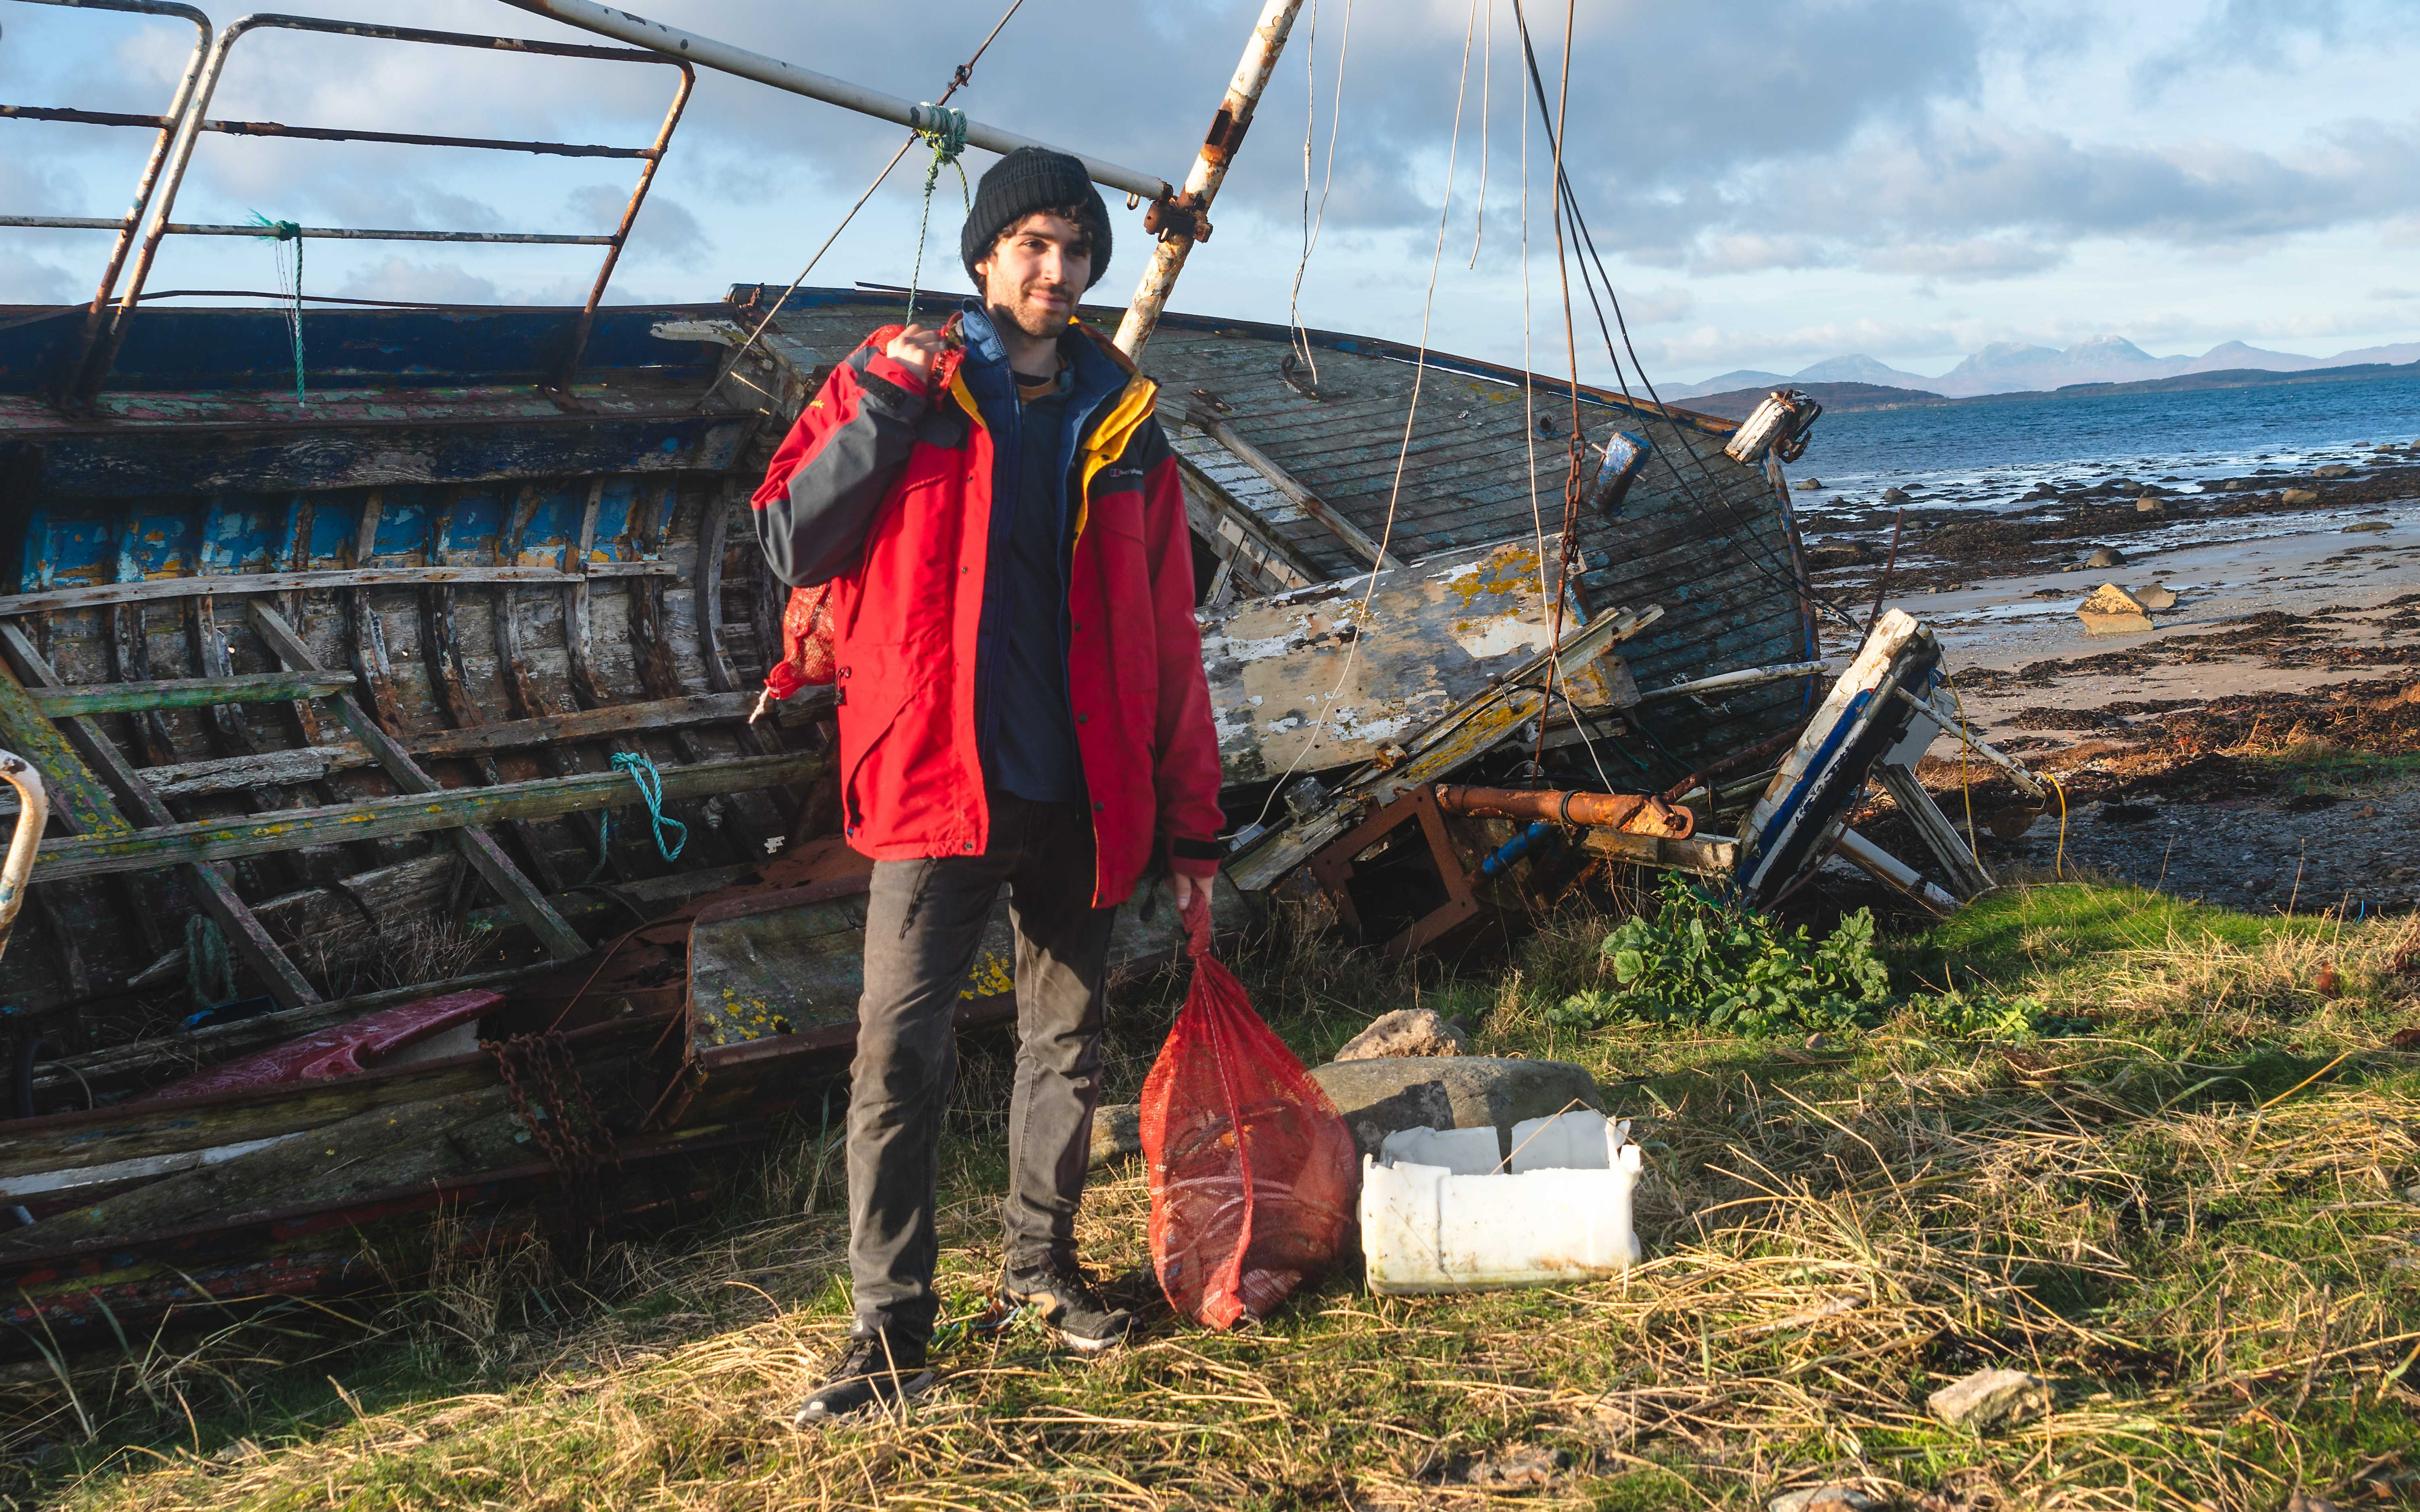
1440	1213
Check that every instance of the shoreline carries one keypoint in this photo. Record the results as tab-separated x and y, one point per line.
2259	748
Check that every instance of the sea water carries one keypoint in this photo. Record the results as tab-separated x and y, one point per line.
1986	456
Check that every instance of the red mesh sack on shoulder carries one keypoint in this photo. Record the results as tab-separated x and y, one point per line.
1252	1172
806	643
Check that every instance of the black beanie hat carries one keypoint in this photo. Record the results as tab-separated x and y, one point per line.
1029	179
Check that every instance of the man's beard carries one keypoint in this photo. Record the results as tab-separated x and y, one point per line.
1041	325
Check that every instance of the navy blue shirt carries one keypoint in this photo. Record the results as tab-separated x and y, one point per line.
1023	719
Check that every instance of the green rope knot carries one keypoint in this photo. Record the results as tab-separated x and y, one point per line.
283	232
651	788
946	128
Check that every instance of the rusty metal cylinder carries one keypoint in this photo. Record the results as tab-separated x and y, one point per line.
1588	810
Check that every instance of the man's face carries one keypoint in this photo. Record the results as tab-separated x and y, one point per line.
1035	271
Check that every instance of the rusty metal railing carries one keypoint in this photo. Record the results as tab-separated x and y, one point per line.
97	353
165	125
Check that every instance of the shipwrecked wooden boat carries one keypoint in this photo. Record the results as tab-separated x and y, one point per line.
412	850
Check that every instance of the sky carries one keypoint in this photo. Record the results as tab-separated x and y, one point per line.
1767	183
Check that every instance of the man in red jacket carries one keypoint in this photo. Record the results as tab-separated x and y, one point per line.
1021	701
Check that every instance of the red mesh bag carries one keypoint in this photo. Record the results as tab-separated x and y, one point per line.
1252	1173
806	643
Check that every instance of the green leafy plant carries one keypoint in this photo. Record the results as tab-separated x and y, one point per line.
1710	963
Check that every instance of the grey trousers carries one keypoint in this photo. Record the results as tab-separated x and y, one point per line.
924	920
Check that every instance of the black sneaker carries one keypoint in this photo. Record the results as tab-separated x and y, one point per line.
1071	1306
870	1376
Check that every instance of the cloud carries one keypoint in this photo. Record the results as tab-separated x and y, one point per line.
29	280
2395	294
1970	258
419	283
665	231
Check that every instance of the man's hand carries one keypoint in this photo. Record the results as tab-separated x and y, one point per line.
1184	890
914	350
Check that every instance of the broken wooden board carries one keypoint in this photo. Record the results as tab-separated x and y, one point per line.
410	813
1333	674
1463	733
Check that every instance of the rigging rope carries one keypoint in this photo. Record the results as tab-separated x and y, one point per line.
1403	452
1792	581
1310	227
949	139
290	290
965	74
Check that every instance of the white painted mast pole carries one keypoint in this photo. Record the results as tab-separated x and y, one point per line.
1177	229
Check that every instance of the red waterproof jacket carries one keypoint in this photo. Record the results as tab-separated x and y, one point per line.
886	492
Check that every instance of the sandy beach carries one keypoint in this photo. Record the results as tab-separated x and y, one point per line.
2260	747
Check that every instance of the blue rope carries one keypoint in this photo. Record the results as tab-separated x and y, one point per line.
651	788
284	231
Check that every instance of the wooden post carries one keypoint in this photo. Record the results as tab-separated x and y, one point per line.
1218	146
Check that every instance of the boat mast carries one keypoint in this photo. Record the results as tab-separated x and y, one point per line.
1184	219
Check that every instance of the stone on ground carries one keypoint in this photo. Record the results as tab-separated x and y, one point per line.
1407	1031
2108	556
1823	1499
1378	1097
1117	1133
2159	596
2298	496
1989	1399
2112	610
2334	470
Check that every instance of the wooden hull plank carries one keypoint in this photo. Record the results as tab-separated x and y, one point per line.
412	813
249	942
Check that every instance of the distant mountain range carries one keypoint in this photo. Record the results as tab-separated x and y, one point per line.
2011	368
1737	404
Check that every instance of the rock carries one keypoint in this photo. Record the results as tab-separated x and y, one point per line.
1894	496
2298	495
2112	610
1117	1133
1810	483
2156	597
2149	505
2334	470
1838	554
1989	1399
1407	1031
2365	527
2120	485
1826	1498
2108	556
1381	1096
1529	1465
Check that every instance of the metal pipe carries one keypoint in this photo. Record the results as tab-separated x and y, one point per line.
165	125
101	347
1734	682
1589	811
721	56
33	814
1209	171
341	233
317	134
622	233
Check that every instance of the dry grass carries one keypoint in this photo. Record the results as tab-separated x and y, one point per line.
2201	1221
